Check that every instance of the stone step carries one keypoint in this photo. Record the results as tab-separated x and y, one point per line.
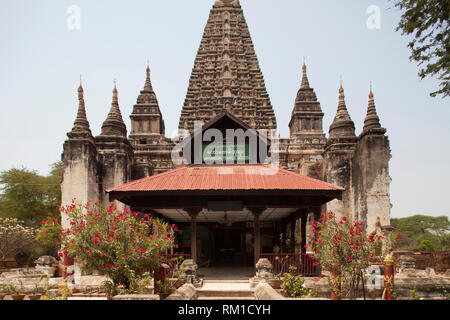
225	293
226	298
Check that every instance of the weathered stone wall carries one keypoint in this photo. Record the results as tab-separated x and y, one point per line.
338	171
116	170
80	174
371	180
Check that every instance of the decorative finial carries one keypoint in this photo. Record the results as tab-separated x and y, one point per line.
148	84
81	123
372	120
305	81
341	88
115	98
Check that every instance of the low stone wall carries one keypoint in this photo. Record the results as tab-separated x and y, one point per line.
438	260
427	285
185	292
264	291
11	264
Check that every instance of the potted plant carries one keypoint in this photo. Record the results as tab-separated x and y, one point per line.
14	292
35	295
276	281
164	288
294	285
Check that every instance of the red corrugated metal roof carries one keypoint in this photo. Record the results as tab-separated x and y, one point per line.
227	177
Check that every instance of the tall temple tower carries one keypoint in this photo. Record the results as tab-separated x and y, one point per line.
80	169
371	178
226	73
152	148
114	151
339	153
307	139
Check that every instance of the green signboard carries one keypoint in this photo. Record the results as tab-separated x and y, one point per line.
226	153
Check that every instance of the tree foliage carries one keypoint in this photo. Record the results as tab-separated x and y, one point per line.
428	22
13	236
415	229
28	196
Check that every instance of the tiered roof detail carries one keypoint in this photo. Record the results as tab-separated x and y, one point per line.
307	115
226	73
145	112
114	125
372	120
81	124
342	126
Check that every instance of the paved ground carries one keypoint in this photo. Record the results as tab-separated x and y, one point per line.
229	273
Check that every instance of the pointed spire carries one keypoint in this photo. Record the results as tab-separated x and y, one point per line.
342	125
81	123
114	125
342	107
148	84
305	81
372	120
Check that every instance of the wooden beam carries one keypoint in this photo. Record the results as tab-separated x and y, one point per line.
181	202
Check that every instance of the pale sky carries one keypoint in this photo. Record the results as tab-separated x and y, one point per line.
41	60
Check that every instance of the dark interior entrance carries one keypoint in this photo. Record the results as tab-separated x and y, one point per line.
229	249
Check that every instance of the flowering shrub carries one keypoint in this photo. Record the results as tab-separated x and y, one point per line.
293	284
49	233
122	245
344	249
13	236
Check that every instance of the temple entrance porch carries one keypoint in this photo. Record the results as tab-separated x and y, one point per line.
232	215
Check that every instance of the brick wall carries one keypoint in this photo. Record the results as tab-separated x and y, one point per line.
439	260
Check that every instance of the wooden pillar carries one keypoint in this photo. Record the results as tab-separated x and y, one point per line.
316	211
293	227
284	248
243	249
303	229
193	213
257	245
